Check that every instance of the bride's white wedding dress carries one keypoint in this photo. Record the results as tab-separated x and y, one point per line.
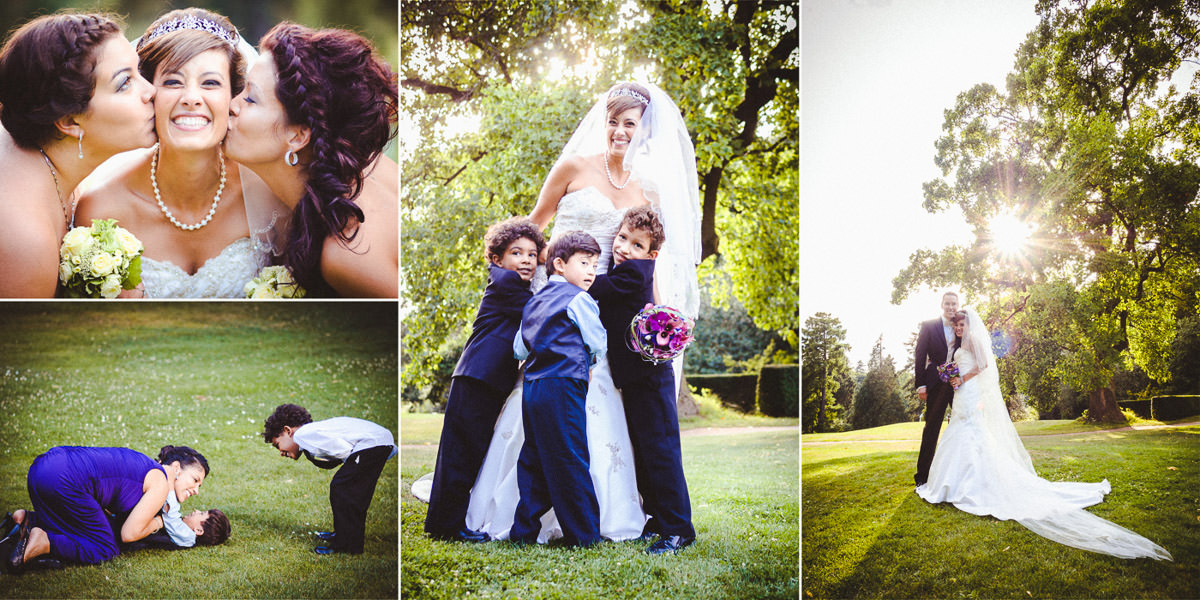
222	276
982	468
494	497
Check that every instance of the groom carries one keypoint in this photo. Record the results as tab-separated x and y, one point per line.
933	345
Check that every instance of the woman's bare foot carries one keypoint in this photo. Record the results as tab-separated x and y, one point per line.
19	516
39	544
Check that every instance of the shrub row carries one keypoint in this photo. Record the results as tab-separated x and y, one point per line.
1164	408
773	391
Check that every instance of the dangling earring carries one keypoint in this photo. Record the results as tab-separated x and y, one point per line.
291	158
80	144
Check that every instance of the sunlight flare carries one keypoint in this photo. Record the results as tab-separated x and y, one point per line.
1009	234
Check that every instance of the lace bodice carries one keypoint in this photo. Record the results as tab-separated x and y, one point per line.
222	276
587	210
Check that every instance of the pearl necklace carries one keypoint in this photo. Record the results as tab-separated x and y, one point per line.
57	188
609	173
212	209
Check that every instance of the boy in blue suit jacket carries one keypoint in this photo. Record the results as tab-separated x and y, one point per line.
485	374
647	389
559	339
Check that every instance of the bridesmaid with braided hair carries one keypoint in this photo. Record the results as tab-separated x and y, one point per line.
63	78
318	109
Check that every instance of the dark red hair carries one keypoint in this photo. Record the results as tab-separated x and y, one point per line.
335	83
47	72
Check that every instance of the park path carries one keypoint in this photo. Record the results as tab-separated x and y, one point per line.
1114	429
699	431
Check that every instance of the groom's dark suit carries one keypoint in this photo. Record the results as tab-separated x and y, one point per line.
932	351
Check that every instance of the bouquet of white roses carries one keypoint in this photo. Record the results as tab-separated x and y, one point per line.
273	282
99	261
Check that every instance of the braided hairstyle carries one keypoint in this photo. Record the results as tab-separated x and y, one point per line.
334	83
47	72
186	457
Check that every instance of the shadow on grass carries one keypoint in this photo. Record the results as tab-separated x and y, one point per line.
867	534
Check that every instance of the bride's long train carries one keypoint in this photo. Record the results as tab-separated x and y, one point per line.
981	466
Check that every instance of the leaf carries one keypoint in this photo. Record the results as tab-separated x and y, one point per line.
1172	469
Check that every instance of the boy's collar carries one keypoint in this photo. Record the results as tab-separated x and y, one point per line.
557	277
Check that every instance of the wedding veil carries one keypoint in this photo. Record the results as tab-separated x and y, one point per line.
663	159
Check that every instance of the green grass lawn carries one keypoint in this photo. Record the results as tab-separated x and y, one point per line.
866	534
744	493
206	375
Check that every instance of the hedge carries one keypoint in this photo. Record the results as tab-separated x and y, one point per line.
1164	408
779	390
735	390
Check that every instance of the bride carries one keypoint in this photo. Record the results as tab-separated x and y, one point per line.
982	467
632	149
196	211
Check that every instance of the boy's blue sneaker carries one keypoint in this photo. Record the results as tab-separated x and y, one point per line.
325	535
324	550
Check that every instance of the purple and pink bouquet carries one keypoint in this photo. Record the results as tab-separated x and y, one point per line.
947	372
660	333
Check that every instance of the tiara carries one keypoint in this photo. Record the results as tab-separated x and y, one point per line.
193	23
631	94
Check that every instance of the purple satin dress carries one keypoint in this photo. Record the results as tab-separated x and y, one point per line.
78	493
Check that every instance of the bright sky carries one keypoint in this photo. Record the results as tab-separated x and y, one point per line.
876	76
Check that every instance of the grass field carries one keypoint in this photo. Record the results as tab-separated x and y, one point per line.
867	535
142	375
744	493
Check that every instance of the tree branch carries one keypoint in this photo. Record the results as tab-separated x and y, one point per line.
456	95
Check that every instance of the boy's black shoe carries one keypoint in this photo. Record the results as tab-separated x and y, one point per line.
465	535
649	532
670	543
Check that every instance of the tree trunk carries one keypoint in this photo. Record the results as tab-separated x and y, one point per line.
685	404
1102	407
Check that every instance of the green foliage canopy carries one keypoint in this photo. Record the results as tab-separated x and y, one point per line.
491	91
1093	147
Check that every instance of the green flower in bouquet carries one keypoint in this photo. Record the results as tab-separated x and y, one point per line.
273	282
99	261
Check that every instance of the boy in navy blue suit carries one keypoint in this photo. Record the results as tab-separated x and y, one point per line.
647	389
485	374
559	339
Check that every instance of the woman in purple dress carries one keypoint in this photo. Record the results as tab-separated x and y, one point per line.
86	501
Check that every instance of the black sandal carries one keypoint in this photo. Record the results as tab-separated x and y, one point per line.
16	560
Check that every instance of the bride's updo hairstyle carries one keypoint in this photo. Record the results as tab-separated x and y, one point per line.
47	72
624	96
181	35
186	457
334	83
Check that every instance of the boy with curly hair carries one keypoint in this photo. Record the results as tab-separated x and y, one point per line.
359	446
484	376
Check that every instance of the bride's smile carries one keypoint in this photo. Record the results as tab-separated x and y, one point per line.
192	105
